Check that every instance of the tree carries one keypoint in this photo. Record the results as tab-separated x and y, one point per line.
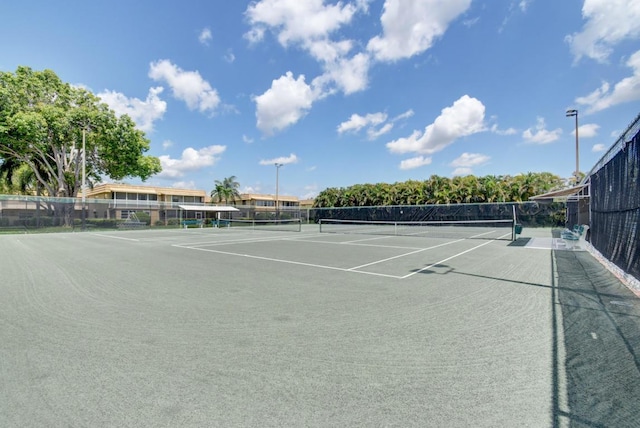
442	190
43	122
226	190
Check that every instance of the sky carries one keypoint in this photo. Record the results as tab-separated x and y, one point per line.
345	92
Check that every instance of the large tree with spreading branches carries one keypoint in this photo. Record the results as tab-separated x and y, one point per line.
44	124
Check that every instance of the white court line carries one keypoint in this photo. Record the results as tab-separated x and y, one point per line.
115	237
233	241
370	239
452	257
287	261
355	244
405	254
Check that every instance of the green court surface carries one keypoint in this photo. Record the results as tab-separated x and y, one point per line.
231	327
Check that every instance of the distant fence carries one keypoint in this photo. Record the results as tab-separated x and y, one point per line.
26	213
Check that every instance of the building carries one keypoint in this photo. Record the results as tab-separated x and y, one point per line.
258	206
119	201
153	205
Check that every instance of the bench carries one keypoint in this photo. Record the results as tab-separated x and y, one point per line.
575	237
194	222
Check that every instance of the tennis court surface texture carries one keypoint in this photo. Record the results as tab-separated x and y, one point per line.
234	327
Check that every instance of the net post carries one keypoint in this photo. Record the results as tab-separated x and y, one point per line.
513	226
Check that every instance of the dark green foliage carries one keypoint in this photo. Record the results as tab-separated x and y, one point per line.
442	190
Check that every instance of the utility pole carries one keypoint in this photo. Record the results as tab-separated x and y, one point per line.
277	165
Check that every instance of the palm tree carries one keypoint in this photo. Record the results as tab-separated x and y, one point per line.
226	190
217	194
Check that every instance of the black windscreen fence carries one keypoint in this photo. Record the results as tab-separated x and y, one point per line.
615	207
529	214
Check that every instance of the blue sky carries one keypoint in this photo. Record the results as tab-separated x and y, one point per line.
349	92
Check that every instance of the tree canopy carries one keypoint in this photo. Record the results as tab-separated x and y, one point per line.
442	190
42	125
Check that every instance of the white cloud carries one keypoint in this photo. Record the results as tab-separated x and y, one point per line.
246	139
588	130
191	160
540	135
229	56
255	35
471	22
251	189
406	115
205	36
524	4
508	131
372	122
286	102
410	27
608	22
514	7
292	158
462	171
373	133
465	117
416	162
187	86
143	113
166	144
465	162
626	90
598	148
309	25
297	21
349	75
313	26
470	160
357	122
311	191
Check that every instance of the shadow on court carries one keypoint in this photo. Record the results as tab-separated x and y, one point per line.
600	323
596	341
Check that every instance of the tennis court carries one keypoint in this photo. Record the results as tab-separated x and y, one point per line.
247	327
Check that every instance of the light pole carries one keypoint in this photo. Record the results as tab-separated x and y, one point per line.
277	165
571	113
84	180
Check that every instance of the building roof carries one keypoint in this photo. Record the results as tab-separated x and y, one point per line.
209	208
130	188
580	191
259	197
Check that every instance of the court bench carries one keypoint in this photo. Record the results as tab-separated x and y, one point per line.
194	222
575	236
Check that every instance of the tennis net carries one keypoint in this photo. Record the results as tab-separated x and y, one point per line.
468	229
281	225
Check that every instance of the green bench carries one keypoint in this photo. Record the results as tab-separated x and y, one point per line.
575	237
193	222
